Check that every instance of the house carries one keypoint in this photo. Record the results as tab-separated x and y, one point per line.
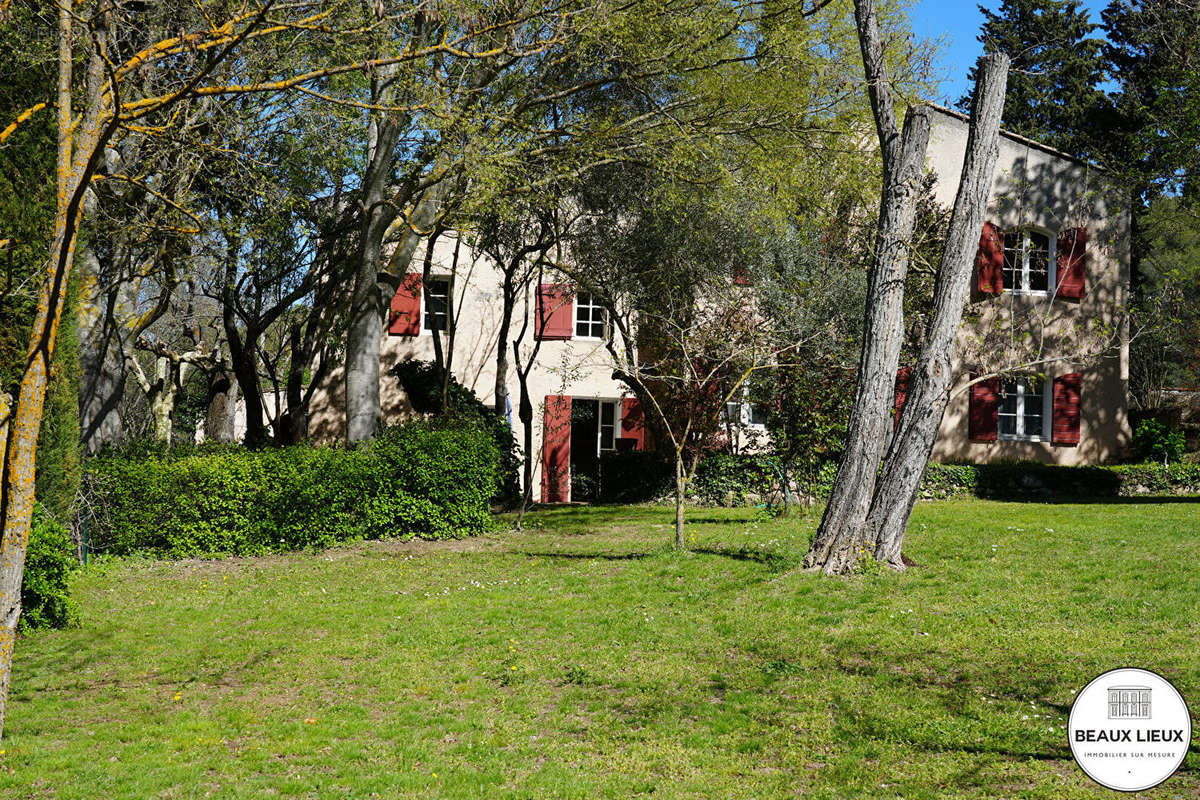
1050	284
1047	308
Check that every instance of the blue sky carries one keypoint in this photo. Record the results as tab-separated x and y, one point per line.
957	23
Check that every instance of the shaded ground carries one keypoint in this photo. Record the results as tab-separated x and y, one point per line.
582	658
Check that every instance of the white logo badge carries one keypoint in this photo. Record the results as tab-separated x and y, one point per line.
1129	729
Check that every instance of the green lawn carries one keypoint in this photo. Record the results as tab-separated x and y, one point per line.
584	659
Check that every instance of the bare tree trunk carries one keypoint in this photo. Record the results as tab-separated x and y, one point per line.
929	388
840	540
100	391
222	405
162	399
680	491
367	303
102	382
80	142
525	413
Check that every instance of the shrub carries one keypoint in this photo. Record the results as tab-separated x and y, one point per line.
726	479
422	382
1154	441
415	480
45	596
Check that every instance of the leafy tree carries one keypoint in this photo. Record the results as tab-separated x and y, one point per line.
1165	348
1057	67
1153	139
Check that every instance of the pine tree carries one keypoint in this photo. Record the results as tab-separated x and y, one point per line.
1056	68
1153	138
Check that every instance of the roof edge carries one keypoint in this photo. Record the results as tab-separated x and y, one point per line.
1016	137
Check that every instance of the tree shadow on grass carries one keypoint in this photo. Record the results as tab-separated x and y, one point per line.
578	556
774	561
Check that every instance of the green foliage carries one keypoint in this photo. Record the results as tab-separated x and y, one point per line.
809	408
415	480
1165	352
49	562
1152	137
725	479
26	185
422	382
1027	480
1056	67
1154	441
59	458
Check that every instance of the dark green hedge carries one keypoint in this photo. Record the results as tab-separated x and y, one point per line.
415	481
45	599
725	479
1032	480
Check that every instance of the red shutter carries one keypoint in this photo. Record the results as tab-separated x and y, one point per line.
989	260
903	376
983	410
633	422
555	318
1071	262
405	319
1064	429
556	450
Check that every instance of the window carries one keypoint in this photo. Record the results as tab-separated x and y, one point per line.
744	413
1028	262
591	321
608	425
437	304
1022	410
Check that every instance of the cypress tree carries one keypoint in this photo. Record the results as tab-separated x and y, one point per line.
1057	67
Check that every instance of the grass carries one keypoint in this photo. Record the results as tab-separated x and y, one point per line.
584	659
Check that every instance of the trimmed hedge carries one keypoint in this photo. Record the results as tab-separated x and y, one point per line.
416	480
1031	480
724	479
49	562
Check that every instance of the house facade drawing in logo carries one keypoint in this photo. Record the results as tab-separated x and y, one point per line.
1129	702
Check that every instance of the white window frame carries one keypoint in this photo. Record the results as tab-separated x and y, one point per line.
617	407
1051	265
1047	410
591	304
423	330
743	405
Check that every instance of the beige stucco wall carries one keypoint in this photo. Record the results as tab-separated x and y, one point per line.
1034	187
578	368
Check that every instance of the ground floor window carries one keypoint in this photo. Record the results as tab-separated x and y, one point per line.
594	426
1022	410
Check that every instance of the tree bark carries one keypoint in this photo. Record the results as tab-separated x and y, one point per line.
80	142
929	388
365	336
363	344
840	542
222	405
680	491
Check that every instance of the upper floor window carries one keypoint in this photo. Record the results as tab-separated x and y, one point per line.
437	304
1022	409
591	320
1028	262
